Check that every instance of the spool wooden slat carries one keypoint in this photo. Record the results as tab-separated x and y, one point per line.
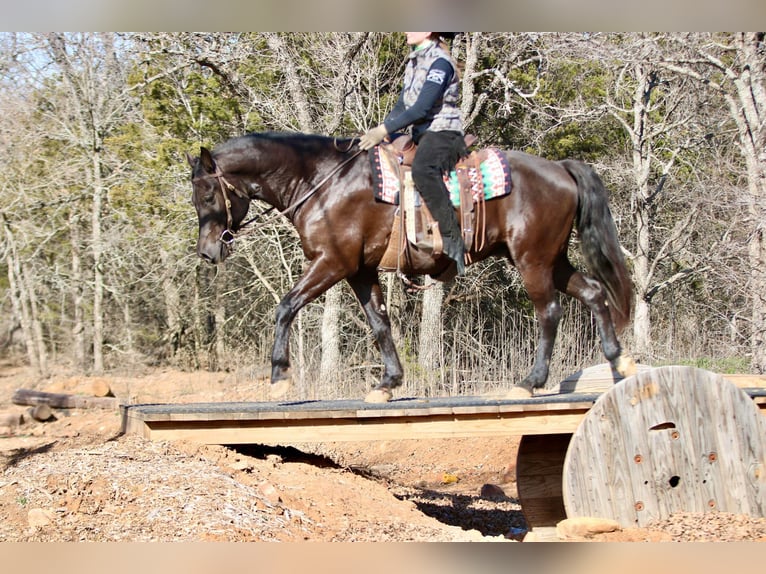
671	439
539	467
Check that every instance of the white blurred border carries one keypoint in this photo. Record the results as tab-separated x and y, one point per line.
371	558
386	15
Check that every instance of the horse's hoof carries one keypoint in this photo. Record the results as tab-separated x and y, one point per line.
280	388
625	365
518	393
378	396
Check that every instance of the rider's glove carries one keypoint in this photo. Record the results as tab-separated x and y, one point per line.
373	137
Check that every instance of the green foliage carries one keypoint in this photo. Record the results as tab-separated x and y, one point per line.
193	107
723	365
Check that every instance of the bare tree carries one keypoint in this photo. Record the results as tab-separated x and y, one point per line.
95	99
734	66
21	237
648	107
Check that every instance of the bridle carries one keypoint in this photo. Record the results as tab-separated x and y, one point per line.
227	235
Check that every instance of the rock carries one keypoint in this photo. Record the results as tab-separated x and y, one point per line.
242	465
531	536
541	534
382	470
9	422
585	527
269	493
509	474
274	459
39	517
491	491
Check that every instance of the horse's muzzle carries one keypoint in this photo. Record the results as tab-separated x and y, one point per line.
215	250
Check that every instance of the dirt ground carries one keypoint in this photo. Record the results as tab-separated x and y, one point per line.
76	478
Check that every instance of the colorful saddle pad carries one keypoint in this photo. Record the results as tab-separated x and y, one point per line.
490	177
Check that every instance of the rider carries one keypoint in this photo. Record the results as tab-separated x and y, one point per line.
428	103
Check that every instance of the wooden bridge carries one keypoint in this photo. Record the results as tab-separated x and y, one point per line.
558	411
547	423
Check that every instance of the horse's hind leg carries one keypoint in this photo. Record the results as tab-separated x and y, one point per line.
593	295
367	290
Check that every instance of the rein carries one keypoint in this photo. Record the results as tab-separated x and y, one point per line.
228	236
316	187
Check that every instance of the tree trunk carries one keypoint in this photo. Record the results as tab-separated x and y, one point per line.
219	313
78	313
98	274
749	111
431	340
198	328
172	297
37	327
21	310
642	150
331	360
757	254
25	308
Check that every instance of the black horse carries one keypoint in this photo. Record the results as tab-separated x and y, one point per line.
324	187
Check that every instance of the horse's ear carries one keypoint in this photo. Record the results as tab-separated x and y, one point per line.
191	159
206	158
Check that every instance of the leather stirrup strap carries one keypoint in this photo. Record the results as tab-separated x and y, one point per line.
436	237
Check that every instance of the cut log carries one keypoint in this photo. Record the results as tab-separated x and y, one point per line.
41	413
63	401
100	388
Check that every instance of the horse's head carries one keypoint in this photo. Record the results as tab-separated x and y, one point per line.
221	206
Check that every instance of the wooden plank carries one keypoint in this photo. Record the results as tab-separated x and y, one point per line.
290	431
601	378
745	381
596	379
358	409
132	425
673	439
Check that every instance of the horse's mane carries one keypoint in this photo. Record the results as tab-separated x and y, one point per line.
297	140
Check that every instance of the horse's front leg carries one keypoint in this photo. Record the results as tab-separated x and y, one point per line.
367	289
317	279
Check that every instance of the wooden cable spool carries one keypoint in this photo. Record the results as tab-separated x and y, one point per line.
671	439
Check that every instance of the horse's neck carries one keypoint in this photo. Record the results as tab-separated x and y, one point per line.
279	182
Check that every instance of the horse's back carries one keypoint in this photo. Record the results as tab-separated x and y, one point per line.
537	217
538	172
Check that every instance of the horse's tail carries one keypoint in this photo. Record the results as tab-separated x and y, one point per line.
600	244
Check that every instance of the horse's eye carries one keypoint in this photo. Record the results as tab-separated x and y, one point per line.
208	197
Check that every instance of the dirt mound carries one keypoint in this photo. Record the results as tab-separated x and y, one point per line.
76	478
